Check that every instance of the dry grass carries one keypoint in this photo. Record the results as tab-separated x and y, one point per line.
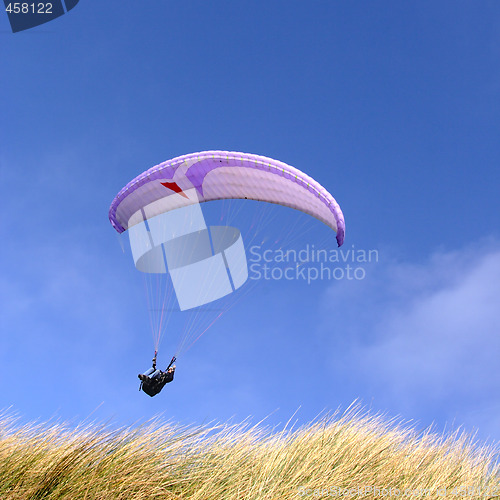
335	457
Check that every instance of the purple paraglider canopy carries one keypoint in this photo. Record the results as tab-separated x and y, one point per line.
216	175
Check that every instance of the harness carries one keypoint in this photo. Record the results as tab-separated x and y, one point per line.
155	382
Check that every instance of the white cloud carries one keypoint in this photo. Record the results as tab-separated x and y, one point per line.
424	339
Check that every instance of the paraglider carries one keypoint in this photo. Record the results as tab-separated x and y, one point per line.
216	175
153	381
160	211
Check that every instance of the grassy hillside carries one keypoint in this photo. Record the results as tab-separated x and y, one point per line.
351	456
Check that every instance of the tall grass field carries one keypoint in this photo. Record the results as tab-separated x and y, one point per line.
354	455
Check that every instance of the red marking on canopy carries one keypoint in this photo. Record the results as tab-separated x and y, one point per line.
174	187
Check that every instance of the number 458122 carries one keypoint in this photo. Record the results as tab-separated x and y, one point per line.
29	8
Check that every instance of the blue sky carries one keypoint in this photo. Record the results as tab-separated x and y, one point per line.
393	107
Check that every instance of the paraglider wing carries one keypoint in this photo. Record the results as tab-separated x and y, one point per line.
216	175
